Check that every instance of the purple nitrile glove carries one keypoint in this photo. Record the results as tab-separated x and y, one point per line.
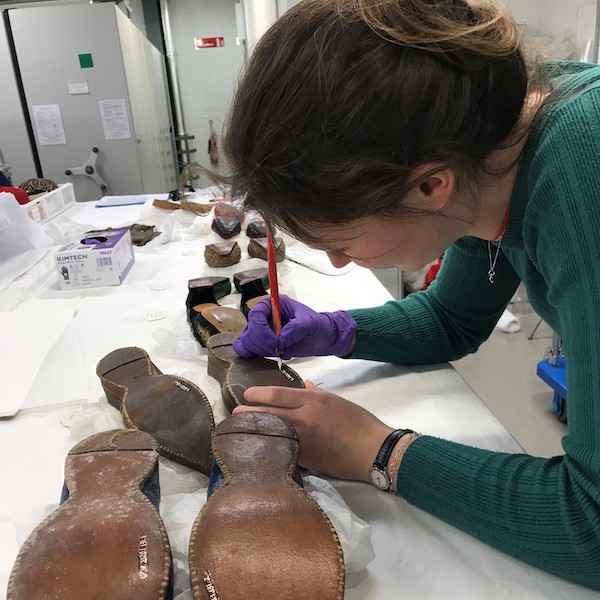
304	332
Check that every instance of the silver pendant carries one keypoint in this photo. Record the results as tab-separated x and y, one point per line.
491	275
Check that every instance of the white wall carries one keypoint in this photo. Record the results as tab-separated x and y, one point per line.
283	5
207	77
134	11
259	15
558	18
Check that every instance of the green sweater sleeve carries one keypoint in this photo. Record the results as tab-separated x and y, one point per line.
449	320
544	511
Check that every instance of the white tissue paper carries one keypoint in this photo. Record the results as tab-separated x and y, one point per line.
18	233
23	242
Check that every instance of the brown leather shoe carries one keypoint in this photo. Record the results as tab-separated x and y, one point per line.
226	227
236	374
222	254
253	291
171	409
257	248
205	316
106	540
256	229
260	535
261	273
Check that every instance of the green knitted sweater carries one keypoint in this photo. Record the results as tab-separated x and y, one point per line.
543	511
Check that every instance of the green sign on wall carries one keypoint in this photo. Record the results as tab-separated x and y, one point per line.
86	61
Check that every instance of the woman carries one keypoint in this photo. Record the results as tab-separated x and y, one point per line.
389	132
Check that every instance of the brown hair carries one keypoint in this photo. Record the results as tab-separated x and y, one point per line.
342	99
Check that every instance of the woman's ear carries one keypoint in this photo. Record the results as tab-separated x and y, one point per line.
435	190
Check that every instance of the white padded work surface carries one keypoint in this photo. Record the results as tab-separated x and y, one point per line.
416	555
28	335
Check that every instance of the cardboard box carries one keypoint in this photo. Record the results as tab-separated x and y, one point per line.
45	206
101	258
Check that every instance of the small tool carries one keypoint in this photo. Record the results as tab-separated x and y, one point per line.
274	292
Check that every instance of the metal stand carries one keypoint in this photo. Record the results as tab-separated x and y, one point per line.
530	336
184	152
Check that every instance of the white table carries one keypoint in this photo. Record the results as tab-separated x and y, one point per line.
417	556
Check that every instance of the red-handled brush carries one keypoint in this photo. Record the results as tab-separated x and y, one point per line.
274	292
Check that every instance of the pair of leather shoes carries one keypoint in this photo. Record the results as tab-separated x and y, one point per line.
173	409
225	254
259	535
228	222
204	314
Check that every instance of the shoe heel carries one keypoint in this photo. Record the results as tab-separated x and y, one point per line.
113	400
222	254
257	248
261	273
207	290
124	364
253	291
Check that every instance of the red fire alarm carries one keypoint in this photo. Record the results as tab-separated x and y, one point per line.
211	42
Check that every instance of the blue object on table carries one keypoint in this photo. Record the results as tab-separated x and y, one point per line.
4	180
108	201
556	377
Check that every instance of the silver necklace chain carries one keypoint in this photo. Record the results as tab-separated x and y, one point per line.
492	271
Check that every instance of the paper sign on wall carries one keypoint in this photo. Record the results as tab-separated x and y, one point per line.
78	87
211	42
49	124
115	121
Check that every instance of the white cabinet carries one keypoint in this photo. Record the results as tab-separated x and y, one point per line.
90	79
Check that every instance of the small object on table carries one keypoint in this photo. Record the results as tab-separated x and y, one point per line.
256	229
199	209
260	273
228	220
38	186
257	248
226	227
222	254
142	234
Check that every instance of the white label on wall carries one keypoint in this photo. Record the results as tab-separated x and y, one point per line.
49	124
115	121
78	87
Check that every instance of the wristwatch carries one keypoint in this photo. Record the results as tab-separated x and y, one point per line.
378	472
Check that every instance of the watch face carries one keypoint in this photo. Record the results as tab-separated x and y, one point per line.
379	478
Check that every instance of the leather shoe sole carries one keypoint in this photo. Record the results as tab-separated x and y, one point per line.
260	535
171	409
106	540
236	374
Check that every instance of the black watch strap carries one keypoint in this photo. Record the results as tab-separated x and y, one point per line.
383	456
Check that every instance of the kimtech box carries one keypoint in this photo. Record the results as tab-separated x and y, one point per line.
100	258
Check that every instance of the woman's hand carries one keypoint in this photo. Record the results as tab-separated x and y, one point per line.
305	332
337	437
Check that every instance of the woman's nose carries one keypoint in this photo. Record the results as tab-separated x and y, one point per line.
337	260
